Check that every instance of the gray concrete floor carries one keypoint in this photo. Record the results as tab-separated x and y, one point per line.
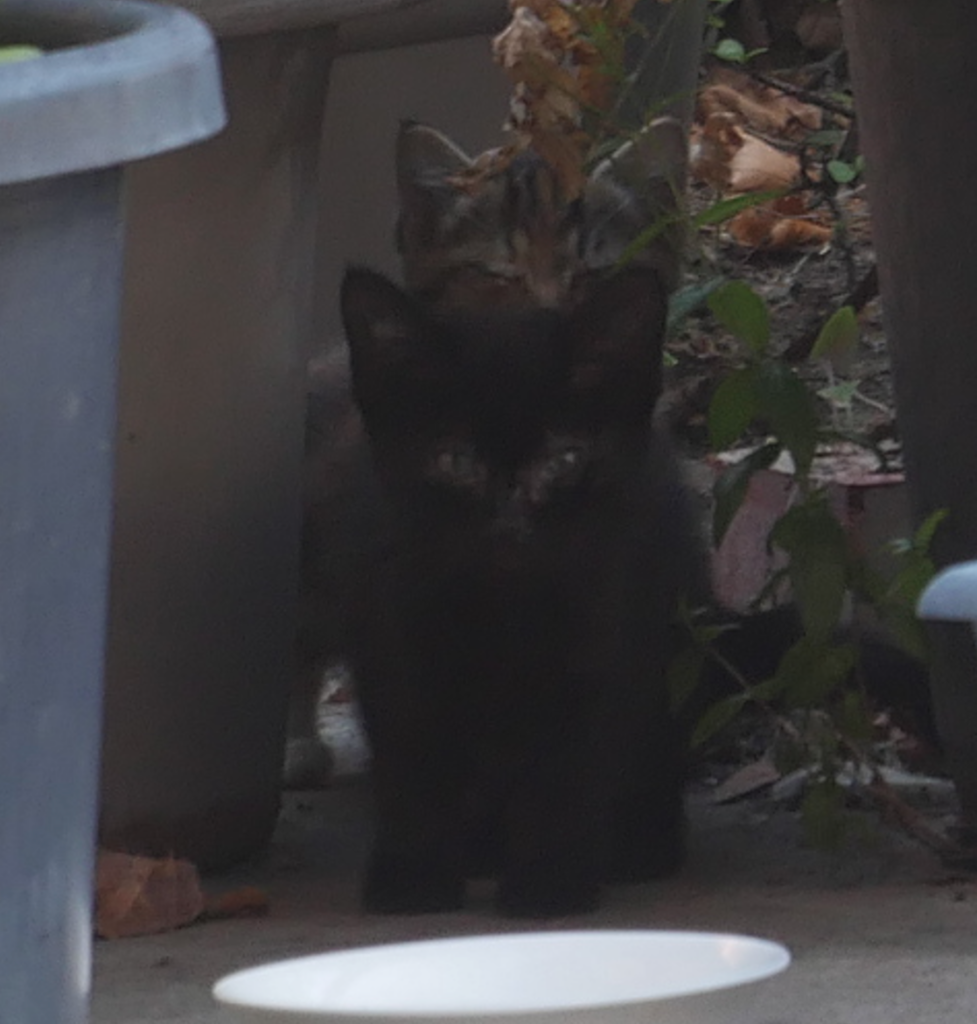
880	934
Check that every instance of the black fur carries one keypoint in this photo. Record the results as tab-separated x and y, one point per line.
514	538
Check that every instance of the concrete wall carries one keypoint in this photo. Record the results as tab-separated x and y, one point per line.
453	85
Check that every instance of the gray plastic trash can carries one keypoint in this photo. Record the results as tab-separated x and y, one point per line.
118	81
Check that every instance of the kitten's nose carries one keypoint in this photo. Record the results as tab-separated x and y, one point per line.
511	522
548	292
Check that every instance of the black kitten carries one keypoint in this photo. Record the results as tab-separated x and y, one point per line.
518	537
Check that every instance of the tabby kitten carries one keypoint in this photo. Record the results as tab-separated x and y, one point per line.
515	538
511	241
513	238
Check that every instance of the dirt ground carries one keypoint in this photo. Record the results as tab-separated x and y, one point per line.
802	287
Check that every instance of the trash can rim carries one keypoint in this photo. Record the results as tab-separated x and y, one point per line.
119	80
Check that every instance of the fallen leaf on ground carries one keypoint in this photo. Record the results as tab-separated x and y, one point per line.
725	155
760	107
711	149
244	902
143	896
782	224
746	780
758	167
791	233
769	112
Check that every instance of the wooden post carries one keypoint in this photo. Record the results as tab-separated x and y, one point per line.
912	69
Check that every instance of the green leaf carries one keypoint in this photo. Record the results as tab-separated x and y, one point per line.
842	172
717	718
688	299
838	337
819	586
802	524
914	574
769	690
817	549
12	54
784	401
743	313
923	538
731	487
905	628
813	669
733	408
853	717
866	582
728	208
732	50
841	394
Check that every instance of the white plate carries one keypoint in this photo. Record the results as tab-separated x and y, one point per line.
606	976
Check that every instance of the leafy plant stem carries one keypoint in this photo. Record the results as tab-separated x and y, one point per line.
804	95
892	804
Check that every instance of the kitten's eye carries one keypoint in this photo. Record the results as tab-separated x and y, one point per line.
458	466
564	464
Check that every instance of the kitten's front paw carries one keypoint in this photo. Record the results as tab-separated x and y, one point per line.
402	886
549	896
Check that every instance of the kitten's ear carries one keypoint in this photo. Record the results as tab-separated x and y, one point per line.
426	161
652	169
383	327
425	156
617	336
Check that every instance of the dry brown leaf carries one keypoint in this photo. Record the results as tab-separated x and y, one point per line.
752	227
563	154
792	233
563	25
144	896
712	148
801	117
792	205
765	227
618	10
556	71
747	780
724	155
244	902
526	49
757	167
486	165
777	115
760	107
537	7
